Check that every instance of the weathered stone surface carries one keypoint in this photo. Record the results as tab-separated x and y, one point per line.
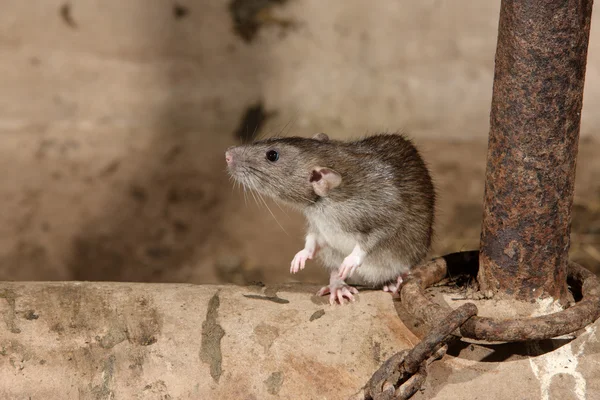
549	370
144	341
141	341
113	127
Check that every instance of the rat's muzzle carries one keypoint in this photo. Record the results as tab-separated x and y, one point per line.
233	160
229	155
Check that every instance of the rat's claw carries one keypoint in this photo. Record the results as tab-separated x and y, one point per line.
351	262
323	291
343	274
348	293
348	266
299	261
332	298
346	271
295	265
338	293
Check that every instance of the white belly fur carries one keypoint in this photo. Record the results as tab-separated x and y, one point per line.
332	236
378	268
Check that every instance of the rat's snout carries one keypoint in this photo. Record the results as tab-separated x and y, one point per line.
233	157
230	156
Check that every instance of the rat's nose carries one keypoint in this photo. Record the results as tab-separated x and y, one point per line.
228	157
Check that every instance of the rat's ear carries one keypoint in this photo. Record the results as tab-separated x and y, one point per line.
321	137
323	180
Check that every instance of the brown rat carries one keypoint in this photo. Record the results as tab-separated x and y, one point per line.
369	203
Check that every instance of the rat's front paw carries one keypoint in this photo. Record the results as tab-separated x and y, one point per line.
338	292
299	260
349	265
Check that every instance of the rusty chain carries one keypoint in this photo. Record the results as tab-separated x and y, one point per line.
405	372
583	283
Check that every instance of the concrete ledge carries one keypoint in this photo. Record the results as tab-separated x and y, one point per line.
168	341
149	341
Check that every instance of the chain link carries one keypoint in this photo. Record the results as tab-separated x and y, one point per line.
405	372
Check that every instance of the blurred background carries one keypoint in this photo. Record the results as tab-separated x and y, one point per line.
115	115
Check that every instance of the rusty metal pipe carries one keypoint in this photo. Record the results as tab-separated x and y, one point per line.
533	141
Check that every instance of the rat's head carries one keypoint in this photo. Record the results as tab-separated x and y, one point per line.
287	169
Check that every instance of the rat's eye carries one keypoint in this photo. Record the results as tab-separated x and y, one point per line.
272	155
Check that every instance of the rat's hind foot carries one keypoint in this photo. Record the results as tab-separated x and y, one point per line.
338	291
394	287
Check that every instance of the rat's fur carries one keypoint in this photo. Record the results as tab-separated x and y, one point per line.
385	201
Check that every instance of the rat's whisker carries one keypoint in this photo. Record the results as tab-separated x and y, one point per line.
299	194
279	188
282	210
271	212
254	133
252	192
243	185
262	173
288	126
259	172
245	197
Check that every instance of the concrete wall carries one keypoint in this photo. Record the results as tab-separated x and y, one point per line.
114	116
423	66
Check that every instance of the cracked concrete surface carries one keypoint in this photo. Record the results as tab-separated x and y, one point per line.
206	342
197	342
